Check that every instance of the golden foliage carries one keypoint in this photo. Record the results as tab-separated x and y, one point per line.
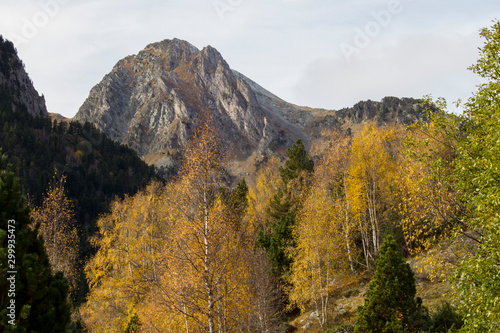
172	256
126	267
323	252
175	256
259	195
430	205
319	257
56	218
370	183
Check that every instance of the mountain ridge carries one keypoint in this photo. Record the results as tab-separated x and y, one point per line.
150	102
15	83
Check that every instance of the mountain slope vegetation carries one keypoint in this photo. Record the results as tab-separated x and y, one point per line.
97	168
211	250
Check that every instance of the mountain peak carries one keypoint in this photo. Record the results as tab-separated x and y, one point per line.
151	101
169	45
211	52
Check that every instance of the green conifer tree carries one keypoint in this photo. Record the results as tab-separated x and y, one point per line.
390	299
39	298
298	160
283	210
238	201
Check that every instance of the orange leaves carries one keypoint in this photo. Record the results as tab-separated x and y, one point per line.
181	258
351	201
322	254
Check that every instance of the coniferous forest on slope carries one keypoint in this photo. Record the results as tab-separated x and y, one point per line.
97	168
106	245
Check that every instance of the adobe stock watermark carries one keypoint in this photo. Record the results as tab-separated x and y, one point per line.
11	271
32	25
363	36
224	6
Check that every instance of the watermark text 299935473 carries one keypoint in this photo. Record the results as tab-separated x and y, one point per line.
11	273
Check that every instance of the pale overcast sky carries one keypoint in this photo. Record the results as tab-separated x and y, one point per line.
318	53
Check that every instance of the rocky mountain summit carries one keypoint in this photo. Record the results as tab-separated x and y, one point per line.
151	102
15	82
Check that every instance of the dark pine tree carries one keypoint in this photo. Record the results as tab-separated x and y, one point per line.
390	299
298	160
283	210
238	202
40	296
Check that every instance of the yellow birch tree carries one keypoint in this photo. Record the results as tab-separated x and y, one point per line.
57	227
336	164
205	277
323	254
181	257
370	181
128	263
319	257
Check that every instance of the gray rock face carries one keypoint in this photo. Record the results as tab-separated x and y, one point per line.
15	81
150	102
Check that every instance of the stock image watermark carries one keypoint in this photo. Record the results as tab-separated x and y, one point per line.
11	273
33	24
222	7
363	36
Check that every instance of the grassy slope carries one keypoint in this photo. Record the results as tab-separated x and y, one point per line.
432	293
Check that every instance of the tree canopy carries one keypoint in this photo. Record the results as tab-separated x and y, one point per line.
478	169
40	297
390	299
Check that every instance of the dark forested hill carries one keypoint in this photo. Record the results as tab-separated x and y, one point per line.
97	168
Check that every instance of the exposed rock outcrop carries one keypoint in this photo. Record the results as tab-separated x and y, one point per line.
150	102
15	82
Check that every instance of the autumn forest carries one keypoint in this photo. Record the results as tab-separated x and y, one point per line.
200	251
